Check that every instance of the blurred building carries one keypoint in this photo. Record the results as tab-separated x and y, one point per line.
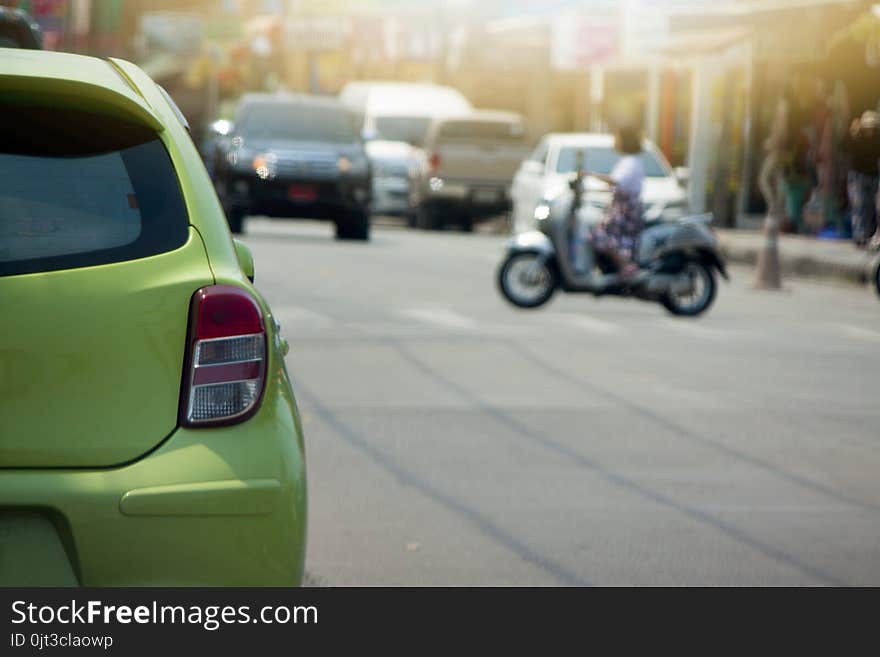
742	56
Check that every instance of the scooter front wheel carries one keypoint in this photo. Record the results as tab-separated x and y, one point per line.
527	280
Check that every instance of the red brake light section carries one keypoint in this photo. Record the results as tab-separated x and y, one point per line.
226	365
223	311
434	161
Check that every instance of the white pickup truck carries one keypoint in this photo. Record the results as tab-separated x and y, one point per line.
468	166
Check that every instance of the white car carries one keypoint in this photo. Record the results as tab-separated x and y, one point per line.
395	117
549	167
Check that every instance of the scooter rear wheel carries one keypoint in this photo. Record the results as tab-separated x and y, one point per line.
527	280
877	277
698	298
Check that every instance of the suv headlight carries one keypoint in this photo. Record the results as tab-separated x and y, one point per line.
353	165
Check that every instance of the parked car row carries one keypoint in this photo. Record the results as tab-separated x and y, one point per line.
417	151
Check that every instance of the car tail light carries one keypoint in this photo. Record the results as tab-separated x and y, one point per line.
434	161
225	372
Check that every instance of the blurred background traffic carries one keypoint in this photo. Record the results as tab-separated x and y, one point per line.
706	82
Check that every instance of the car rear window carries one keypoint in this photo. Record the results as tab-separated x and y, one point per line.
298	122
79	189
410	129
471	130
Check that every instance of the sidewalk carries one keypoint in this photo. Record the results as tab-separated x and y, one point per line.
800	255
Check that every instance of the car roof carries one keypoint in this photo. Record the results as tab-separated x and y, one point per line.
404	98
18	16
78	79
581	138
55	66
286	98
391	86
485	116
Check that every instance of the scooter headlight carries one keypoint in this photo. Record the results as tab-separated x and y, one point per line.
542	212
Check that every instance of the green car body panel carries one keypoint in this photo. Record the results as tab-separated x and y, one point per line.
100	485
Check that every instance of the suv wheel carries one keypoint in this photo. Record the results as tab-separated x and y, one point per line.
235	218
354	226
429	217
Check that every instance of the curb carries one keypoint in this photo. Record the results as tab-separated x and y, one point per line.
793	265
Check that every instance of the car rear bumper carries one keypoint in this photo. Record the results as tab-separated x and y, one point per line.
480	198
299	197
223	506
391	196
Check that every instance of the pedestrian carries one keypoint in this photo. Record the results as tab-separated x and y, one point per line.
617	235
814	212
797	179
797	173
770	175
863	147
830	165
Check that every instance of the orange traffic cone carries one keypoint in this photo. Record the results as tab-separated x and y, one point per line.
769	273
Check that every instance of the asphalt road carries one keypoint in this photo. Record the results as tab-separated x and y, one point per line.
454	440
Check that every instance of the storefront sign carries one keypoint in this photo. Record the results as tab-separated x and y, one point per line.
579	42
316	33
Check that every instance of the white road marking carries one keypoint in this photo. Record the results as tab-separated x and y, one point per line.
440	316
859	332
586	322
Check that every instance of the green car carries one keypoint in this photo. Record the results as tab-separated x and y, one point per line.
148	430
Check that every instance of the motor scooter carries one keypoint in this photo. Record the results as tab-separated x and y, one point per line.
677	260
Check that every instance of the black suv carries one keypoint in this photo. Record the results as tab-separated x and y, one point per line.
18	30
294	156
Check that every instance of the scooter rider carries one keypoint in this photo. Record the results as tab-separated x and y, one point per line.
678	259
617	234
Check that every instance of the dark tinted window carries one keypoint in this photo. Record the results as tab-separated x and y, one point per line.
410	129
297	122
602	159
480	130
79	189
